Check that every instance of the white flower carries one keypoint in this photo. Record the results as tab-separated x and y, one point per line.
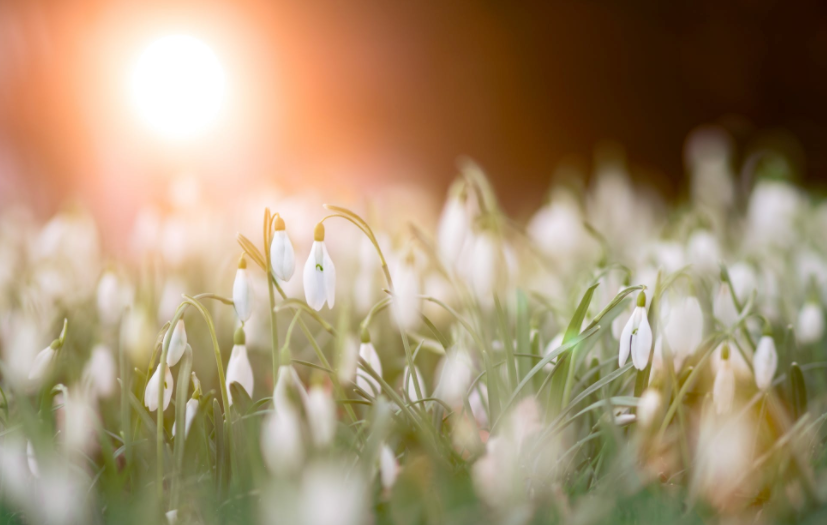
151	392
703	252
111	298
637	336
411	388
685	328
810	325
765	362
242	292
364	380
723	307
282	257
80	425
238	368
388	467
281	440
100	372
453	227
455	376
177	343
319	273
648	407
189	415
321	416
486	265
406	301
723	391
289	384
331	495
41	363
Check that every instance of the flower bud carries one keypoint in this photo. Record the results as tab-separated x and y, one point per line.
242	292
177	343
282	256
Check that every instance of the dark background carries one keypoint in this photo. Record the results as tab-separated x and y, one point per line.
391	91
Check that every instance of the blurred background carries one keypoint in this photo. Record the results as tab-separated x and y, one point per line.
351	97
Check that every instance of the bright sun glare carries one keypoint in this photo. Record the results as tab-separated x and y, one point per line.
178	86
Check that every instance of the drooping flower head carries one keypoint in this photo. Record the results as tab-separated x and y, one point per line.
239	369
282	257
765	362
319	273
723	391
177	343
636	338
242	292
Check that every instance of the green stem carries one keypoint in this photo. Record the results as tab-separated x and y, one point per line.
159	422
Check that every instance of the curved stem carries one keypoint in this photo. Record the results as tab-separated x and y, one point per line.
217	350
159	421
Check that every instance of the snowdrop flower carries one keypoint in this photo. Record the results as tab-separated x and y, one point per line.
723	306
364	380
486	265
558	230
406	301
319	273
637	336
100	372
703	252
321	415
242	292
411	388
282	257
281	440
723	391
648	407
177	343
810	325
388	467
453	224
765	362
239	369
455	376
189	415
80	429
151	392
42	362
685	328
771	215
330	494
288	388
111	298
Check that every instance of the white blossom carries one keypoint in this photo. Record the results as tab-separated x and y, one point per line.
177	343
242	292
765	362
636	338
364	380
810	324
319	273
282	257
152	386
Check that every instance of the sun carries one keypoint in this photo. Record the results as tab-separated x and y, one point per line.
178	86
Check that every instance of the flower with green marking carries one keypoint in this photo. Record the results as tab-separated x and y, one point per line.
282	256
242	292
636	338
239	369
319	273
152	386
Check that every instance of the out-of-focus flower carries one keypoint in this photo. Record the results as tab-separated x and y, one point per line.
342	494
648	407
31	460
810	325
723	390
406	300
558	230
478	406
99	374
112	298
637	336
364	380
282	257
177	343
453	224
281	439
702	252
242	292
42	362
80	422
454	376
773	207
319	273
723	307
765	362
238	368
152	386
170	298
321	415
388	467
136	335
289	389
685	328
189	415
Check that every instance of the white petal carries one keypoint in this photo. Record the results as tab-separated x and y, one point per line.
642	344
321	416
151	392
242	295
314	284
723	391
765	362
41	364
388	467
411	388
282	257
626	341
177	343
329	277
239	370
364	380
